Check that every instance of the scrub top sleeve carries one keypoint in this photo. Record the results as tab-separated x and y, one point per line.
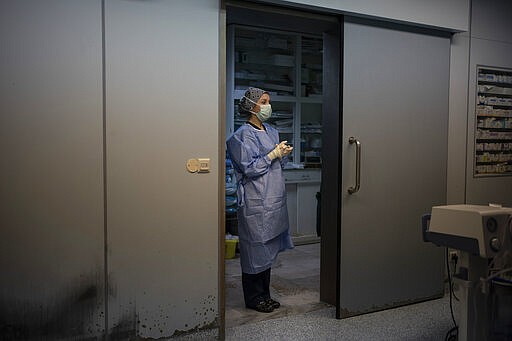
247	158
284	161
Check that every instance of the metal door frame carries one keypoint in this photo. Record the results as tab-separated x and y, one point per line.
330	232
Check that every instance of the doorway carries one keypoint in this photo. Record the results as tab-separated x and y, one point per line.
283	52
384	86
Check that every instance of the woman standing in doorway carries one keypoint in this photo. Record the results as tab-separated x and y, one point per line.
258	158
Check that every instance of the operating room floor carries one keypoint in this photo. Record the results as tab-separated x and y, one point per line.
295	283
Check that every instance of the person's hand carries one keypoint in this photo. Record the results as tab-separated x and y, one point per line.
281	149
285	149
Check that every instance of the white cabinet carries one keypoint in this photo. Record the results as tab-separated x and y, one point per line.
493	138
302	187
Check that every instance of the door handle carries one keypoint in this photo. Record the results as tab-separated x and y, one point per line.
352	190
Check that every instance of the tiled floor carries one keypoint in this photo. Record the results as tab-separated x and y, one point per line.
295	283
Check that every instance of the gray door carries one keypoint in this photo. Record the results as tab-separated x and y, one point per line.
395	103
161	220
52	280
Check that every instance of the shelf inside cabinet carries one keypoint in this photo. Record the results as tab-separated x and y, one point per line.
494	151
505	85
289	66
494	116
488	94
495	129
494	140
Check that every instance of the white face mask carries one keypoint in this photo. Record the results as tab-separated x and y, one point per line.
265	111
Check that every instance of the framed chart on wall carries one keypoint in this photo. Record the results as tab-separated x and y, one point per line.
493	129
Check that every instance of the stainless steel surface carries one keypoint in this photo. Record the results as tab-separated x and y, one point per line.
395	99
331	185
51	185
162	109
355	189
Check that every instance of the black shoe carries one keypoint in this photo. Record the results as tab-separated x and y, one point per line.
273	303
262	307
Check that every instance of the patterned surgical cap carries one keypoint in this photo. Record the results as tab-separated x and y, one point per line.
254	95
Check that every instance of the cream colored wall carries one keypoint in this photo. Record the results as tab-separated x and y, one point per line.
488	43
447	15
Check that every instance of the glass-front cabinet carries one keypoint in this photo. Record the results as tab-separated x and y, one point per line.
289	66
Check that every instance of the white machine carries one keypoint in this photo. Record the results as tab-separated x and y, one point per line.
483	237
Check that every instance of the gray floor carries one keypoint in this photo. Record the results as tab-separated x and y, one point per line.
295	283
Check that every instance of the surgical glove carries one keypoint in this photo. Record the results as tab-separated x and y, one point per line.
275	153
285	149
282	149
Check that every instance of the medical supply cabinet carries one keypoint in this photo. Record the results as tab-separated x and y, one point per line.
493	131
289	66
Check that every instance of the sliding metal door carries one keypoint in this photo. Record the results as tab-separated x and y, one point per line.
395	114
51	185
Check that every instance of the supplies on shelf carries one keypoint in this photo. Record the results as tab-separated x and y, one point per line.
482	134
487	110
282	114
493	111
288	65
491	157
489	75
311	128
493	169
480	147
493	122
284	123
492	100
265	60
493	89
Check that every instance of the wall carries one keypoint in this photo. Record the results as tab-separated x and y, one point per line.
161	222
489	42
51	184
448	15
161	109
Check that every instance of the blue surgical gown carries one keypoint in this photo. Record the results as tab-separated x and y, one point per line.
263	225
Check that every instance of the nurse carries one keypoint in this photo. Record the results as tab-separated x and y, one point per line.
258	158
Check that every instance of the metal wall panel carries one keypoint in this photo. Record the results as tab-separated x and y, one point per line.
490	19
51	193
485	190
490	44
395	101
162	109
450	15
457	126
